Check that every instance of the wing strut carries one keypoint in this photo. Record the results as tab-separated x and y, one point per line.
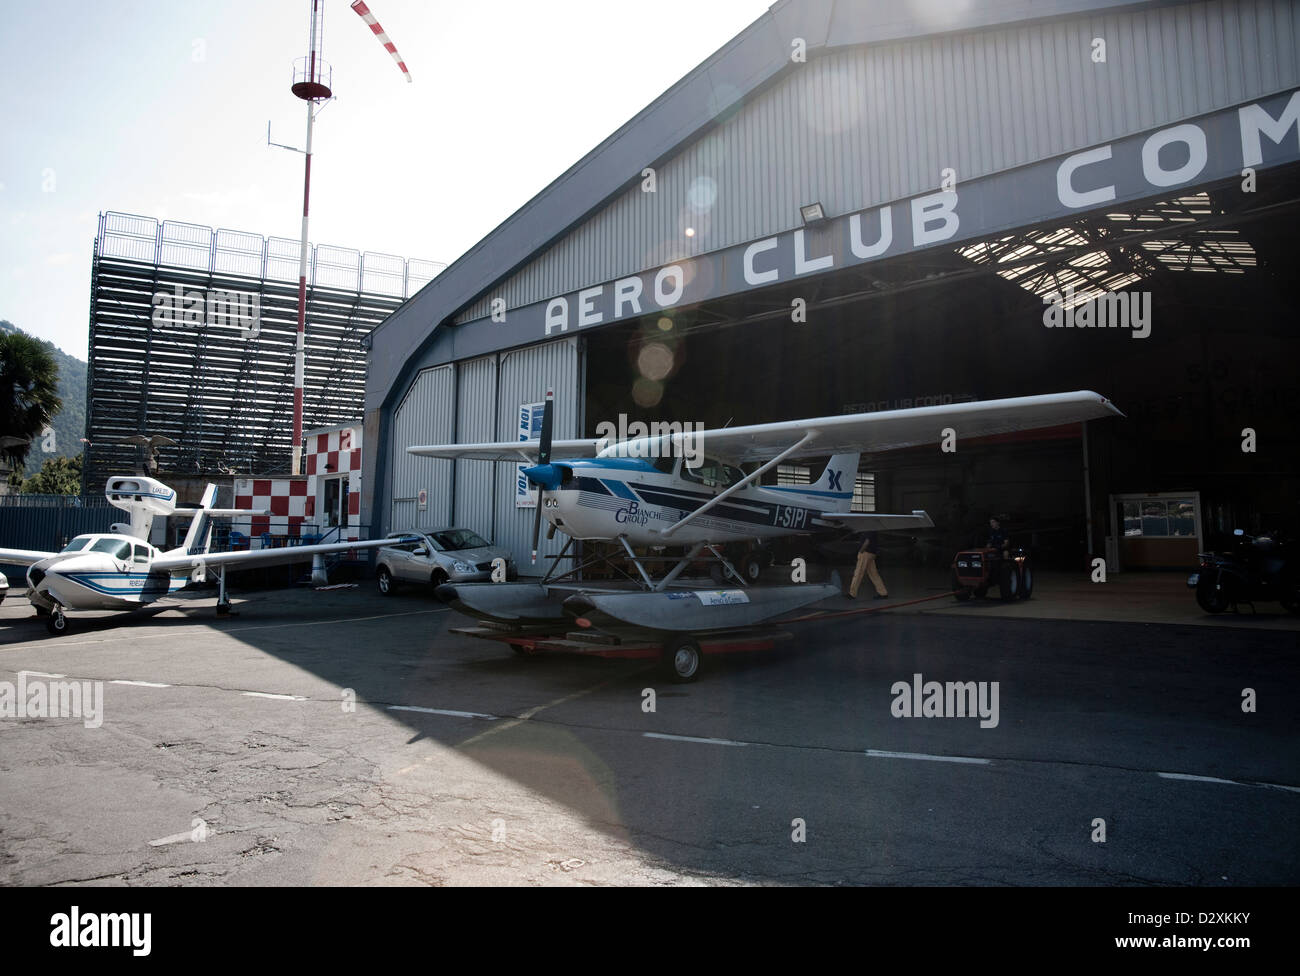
749	478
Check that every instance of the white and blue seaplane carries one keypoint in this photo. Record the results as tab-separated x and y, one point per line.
682	488
120	570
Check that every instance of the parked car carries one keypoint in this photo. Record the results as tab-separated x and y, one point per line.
437	556
4	587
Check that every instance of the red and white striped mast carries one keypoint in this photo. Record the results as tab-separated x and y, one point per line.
311	83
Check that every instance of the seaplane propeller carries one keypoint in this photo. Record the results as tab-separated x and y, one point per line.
543	474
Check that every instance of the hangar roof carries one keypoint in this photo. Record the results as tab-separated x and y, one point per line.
749	61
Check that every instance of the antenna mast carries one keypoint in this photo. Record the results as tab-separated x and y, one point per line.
311	82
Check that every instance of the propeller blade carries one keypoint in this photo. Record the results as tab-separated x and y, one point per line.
537	523
543	458
544	454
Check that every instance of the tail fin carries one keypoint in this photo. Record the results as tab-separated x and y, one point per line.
199	537
834	488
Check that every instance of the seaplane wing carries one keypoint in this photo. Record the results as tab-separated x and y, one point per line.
518	451
22	557
890	430
866	433
184	562
869	522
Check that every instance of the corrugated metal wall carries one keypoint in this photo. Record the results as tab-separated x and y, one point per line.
525	376
872	124
476	423
486	409
425	416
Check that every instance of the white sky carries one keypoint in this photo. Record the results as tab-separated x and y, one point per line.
160	109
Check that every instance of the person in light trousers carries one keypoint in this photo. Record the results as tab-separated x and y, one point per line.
867	567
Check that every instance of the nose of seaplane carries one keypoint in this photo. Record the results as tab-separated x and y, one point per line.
547	476
67	579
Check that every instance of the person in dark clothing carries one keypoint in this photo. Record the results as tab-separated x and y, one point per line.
998	537
867	567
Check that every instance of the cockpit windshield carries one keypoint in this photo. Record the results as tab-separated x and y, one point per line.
119	549
77	544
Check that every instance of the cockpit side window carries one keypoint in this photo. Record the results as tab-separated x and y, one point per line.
142	554
666	464
713	473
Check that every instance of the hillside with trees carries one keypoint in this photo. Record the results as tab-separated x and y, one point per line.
69	423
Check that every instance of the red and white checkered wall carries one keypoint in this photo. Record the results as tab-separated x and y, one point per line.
296	505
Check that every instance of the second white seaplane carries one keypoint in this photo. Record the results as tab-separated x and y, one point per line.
686	488
120	570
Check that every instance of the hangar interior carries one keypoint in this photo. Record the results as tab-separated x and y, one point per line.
968	324
1193	98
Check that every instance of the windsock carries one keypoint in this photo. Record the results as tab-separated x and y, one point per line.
364	13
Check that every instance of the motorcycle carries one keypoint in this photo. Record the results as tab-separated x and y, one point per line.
1258	568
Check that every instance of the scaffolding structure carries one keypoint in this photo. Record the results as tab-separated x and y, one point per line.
162	364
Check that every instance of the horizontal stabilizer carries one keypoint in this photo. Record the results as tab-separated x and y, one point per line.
870	522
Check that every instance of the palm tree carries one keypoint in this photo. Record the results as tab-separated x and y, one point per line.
29	378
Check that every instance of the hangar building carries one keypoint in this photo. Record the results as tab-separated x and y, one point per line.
950	195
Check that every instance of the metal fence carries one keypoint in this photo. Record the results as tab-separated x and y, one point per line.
215	251
47	522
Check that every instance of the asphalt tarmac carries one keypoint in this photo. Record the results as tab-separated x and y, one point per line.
338	737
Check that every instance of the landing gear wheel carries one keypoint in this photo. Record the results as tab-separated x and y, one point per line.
1008	582
1212	598
720	576
1026	581
959	591
681	659
386	582
56	622
753	568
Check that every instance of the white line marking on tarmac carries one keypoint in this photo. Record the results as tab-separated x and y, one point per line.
176	838
1198	779
442	711
1192	778
42	674
267	694
528	714
882	754
240	630
512	723
694	738
139	684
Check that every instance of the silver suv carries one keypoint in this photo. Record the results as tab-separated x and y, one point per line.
445	555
